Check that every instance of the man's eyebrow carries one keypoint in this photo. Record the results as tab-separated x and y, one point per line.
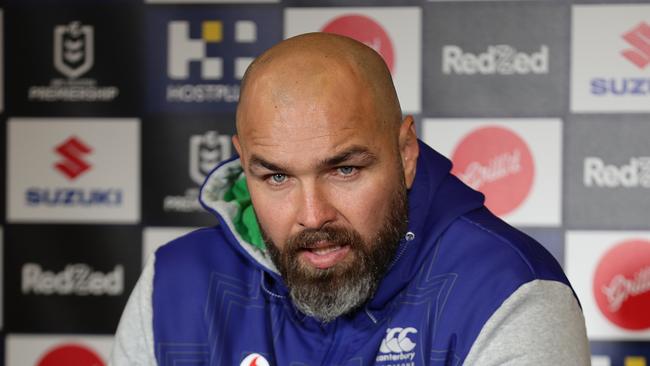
258	161
359	152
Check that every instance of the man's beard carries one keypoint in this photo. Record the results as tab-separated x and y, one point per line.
328	293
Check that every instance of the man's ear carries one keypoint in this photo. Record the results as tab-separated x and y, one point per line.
235	143
408	149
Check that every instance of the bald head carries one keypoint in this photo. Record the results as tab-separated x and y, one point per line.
317	67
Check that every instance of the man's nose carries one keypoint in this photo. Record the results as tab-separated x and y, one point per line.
315	208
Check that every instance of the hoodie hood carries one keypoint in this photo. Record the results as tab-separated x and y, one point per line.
435	200
213	198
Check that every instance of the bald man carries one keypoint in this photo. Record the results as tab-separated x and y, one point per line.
343	240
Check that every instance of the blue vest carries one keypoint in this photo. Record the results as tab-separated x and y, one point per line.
214	304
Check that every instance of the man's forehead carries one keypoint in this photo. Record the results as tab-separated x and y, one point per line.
319	119
287	83
312	52
298	127
318	140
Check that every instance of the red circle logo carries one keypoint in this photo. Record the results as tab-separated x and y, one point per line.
367	31
254	359
71	355
622	284
497	162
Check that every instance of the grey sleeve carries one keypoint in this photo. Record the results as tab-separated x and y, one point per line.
133	343
539	324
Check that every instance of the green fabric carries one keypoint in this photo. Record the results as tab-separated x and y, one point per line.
245	220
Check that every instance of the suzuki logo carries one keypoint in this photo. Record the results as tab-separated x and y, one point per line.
73	49
72	150
639	38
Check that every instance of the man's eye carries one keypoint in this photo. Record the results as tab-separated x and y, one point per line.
347	170
278	178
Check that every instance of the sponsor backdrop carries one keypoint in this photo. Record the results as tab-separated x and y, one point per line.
114	111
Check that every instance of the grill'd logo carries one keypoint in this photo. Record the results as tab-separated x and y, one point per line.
71	354
639	38
72	150
621	284
497	162
367	31
399	43
73	49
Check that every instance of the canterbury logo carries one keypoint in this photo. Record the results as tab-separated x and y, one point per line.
639	38
72	150
397	340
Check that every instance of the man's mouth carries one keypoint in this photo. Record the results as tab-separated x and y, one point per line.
324	255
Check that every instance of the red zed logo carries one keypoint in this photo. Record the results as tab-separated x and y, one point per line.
639	38
497	162
622	284
367	31
70	355
72	150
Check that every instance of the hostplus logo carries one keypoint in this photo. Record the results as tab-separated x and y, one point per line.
397	347
639	56
639	39
205	152
74	56
496	60
183	50
633	174
72	151
600	360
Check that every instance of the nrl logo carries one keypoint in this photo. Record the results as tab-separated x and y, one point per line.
206	151
73	49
